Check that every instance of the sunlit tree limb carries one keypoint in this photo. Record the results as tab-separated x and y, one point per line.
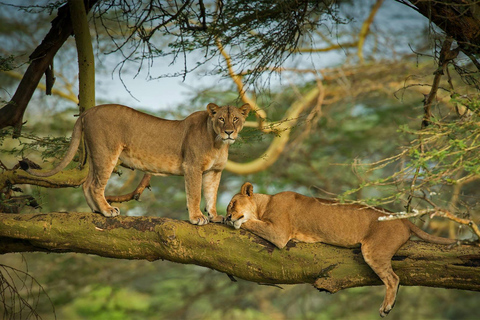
237	79
234	252
278	143
329	48
366	28
79	25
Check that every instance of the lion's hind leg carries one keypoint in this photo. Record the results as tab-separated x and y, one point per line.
86	191
378	251
94	186
383	268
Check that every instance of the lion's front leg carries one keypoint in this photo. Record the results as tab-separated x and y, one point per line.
210	182
268	231
193	189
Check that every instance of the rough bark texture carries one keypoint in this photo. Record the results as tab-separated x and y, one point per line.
235	252
457	18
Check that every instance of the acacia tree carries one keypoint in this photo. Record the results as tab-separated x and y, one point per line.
226	26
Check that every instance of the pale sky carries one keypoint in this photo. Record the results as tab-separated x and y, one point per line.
167	93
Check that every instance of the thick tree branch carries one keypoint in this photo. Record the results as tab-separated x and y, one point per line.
234	252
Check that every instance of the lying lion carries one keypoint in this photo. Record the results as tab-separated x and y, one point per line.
292	216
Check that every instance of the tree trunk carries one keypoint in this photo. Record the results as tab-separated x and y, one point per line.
86	60
78	23
12	113
459	19
235	252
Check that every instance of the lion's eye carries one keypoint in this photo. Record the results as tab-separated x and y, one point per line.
221	119
235	119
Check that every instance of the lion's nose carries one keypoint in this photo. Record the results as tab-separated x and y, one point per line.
229	217
229	132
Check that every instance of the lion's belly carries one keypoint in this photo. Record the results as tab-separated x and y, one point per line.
156	165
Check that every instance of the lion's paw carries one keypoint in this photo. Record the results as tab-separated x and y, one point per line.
199	220
216	219
111	212
385	310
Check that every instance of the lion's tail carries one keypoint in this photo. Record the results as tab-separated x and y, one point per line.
428	237
72	149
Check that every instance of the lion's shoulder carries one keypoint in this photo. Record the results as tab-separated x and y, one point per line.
198	117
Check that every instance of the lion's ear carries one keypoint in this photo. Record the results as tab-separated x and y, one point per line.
212	108
247	189
245	109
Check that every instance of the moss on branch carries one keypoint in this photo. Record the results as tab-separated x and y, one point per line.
235	252
63	179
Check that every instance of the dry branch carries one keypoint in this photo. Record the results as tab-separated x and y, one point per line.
234	252
442	65
135	194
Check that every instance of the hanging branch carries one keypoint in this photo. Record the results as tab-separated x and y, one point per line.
446	55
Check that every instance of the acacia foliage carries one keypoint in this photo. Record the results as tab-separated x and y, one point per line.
264	34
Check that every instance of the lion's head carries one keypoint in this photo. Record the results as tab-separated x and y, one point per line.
242	207
227	121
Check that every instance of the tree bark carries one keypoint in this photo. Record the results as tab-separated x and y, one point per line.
86	60
12	113
235	252
457	18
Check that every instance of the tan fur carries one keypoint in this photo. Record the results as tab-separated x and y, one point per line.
196	147
292	216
